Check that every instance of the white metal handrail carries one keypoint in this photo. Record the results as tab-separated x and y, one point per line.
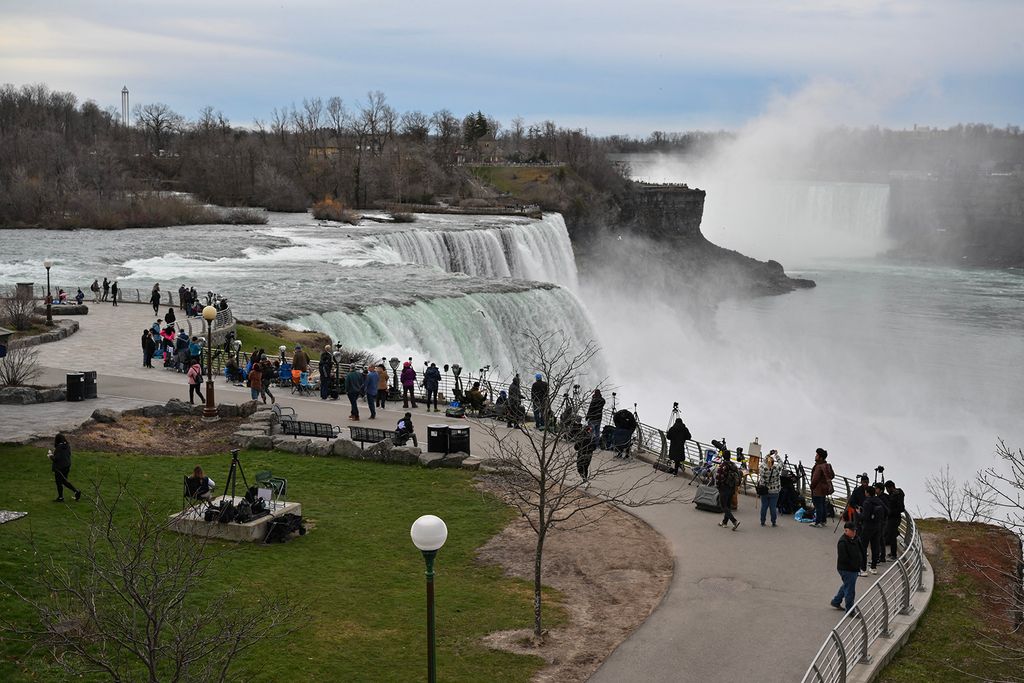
871	616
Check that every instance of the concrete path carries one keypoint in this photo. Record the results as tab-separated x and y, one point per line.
744	605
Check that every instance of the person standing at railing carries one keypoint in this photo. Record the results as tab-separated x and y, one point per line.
677	436
382	386
114	291
408	379
106	289
370	386
514	414
897	506
539	398
595	412
769	476
431	382
821	485
872	521
326	369
95	289
847	563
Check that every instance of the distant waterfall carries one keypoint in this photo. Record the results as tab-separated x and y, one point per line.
538	250
474	330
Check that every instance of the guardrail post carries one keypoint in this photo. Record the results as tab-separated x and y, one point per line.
864	657
886	633
920	565
817	674
842	656
906	609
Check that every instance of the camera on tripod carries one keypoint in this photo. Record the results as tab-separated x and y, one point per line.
720	445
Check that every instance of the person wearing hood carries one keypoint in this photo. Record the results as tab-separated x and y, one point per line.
170	317
79	296
431	382
595	413
154	299
60	458
515	403
300	361
677	436
326	369
539	398
408	379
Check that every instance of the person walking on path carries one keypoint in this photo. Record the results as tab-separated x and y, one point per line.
770	477
326	369
382	387
60	463
821	485
113	292
154	299
585	446
677	436
431	382
95	289
872	521
195	377
267	371
370	387
847	563
408	379
354	385
727	478
106	289
595	413
897	506
539	398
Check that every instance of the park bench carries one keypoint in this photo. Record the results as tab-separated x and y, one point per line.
365	435
299	428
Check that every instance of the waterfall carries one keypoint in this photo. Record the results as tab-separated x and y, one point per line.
536	250
473	330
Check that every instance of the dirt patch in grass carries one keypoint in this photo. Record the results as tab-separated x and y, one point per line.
185	435
611	575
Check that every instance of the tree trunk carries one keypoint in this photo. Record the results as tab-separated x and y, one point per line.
538	629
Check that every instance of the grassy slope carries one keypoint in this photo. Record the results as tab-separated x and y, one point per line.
946	640
252	337
356	570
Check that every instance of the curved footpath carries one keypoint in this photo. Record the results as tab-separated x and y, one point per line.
750	603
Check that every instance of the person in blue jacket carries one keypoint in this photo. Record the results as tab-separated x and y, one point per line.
431	382
370	386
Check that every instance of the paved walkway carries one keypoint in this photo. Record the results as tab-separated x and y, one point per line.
744	605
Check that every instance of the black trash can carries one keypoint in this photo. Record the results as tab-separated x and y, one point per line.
90	383
437	438
76	386
458	440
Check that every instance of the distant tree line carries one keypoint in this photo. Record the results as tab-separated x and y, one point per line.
64	161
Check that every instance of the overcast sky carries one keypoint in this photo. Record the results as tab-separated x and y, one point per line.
612	67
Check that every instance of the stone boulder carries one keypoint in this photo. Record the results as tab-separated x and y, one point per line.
404	455
105	415
53	394
18	396
345	448
176	406
256	443
453	460
155	411
290	444
227	410
471	463
248	408
320	447
431	459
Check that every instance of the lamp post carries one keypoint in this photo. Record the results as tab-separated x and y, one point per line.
210	411
48	263
428	534
394	393
335	389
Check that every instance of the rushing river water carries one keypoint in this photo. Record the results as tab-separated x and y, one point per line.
906	367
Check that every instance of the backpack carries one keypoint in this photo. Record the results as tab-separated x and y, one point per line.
732	477
831	475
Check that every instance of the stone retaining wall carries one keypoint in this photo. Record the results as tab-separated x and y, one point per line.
61	329
28	395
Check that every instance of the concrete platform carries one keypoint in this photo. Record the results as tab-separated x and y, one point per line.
191	521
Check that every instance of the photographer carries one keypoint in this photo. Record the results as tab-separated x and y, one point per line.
677	436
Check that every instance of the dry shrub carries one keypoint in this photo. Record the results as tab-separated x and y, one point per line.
402	217
19	367
330	209
245	217
17	308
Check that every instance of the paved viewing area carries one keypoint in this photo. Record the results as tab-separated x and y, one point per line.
743	604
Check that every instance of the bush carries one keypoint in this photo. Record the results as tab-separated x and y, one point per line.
16	309
19	367
330	209
278	192
246	217
401	217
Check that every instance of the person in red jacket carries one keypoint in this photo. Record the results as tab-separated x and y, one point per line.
821	485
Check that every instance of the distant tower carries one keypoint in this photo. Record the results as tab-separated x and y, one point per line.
124	106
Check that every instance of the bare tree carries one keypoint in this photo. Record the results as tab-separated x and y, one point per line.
19	367
160	123
537	470
17	308
131	603
958	502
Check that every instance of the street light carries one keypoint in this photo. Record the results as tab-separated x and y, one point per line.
48	263
429	534
210	411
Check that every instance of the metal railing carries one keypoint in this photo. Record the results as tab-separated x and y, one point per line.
872	614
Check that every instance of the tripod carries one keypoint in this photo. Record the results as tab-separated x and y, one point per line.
236	466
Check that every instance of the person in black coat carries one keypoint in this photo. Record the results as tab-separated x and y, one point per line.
148	348
847	563
872	521
595	413
60	458
677	435
897	506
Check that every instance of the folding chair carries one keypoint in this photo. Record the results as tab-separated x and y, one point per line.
278	486
189	498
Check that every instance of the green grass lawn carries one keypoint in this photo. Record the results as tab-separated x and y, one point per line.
252	337
356	571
